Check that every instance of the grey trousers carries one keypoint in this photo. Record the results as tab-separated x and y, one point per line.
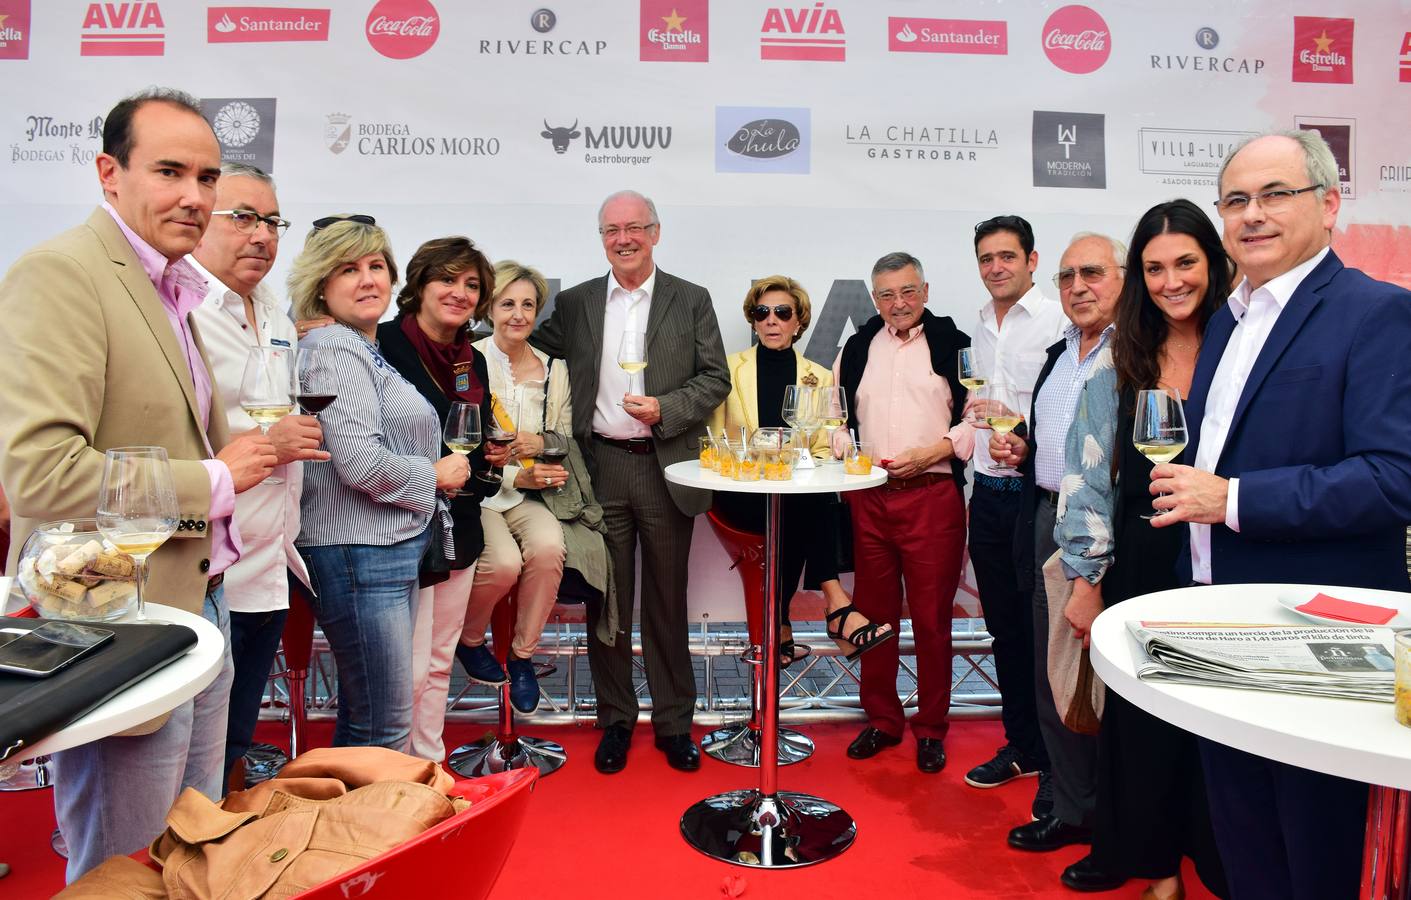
1072	756
638	508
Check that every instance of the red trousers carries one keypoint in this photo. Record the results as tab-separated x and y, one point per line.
915	536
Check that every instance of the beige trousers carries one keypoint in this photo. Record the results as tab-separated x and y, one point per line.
440	615
524	547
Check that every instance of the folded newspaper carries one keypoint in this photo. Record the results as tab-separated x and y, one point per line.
1354	662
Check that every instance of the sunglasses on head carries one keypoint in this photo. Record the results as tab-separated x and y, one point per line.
782	313
329	220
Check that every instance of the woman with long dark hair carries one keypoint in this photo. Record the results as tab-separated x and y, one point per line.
1151	807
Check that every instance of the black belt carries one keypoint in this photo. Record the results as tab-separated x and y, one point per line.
214	582
640	446
1050	496
925	479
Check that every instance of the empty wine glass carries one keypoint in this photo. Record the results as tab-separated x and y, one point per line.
798	413
1159	430
137	508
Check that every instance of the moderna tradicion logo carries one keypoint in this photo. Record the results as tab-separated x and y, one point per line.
264	24
1076	40
1322	50
1070	150
403	29
675	31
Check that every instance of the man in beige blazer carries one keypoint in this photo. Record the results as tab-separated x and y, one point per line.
101	353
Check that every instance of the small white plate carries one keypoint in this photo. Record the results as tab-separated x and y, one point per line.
1401	620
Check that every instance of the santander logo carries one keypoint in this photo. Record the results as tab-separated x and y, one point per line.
1076	40
906	35
261	24
403	29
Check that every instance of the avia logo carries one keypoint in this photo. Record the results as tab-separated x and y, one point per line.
14	29
911	35
814	34
608	137
402	29
123	29
1406	59
1076	40
1322	50
675	31
260	24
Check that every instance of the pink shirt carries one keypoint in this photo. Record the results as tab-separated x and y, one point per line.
901	403
181	290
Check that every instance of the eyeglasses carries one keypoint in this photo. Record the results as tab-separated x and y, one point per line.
610	232
247	220
782	313
908	293
329	220
1090	275
1269	201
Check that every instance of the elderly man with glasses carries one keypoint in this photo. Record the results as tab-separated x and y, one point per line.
240	312
1089	281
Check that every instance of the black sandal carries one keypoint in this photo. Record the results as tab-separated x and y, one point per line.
863	637
788	652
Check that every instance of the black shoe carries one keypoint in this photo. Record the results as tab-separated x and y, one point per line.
1043	797
930	755
1048	833
871	742
612	750
681	752
524	685
1007	765
1085	875
480	665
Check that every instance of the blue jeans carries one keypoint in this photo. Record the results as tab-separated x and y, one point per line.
111	797
365	602
254	638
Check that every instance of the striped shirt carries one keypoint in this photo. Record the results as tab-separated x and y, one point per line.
1057	403
380	487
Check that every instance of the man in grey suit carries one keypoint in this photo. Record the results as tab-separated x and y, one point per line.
628	439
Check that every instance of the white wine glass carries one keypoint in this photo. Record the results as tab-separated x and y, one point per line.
831	403
969	371
632	358
462	432
1000	408
1159	430
137	508
268	387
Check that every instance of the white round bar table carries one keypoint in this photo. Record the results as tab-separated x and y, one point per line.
1353	739
764	827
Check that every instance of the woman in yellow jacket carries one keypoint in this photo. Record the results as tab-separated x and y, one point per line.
778	311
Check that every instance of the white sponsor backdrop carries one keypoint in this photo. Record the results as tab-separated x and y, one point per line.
898	149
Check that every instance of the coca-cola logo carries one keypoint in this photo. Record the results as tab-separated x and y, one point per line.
402	29
1076	40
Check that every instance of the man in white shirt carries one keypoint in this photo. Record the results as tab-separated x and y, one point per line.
1010	345
1300	430
628	439
239	312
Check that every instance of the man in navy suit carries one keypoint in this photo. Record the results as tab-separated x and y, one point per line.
1300	431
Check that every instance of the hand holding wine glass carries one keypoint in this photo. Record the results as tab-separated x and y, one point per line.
555	453
268	387
462	431
632	358
499	434
998	404
137	508
1159	430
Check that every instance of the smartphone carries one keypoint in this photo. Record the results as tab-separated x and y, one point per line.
49	648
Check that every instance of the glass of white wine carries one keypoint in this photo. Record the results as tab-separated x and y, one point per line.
969	374
269	387
137	508
1159	430
999	404
831	403
632	358
462	432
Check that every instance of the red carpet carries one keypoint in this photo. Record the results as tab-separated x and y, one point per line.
590	835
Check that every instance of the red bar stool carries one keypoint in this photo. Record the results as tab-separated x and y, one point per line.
263	761
739	744
506	748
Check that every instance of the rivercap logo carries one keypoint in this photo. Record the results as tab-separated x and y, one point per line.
812	34
1341	136
913	35
675	31
14	29
1070	150
337	132
762	140
1076	40
1207	38
1322	50
123	29
543	20
403	29
244	128
265	24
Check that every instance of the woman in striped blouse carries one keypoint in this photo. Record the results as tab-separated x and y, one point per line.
366	512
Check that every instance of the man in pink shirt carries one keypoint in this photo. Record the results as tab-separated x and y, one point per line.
906	400
101	352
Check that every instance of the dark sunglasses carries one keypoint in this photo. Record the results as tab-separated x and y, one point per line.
783	313
329	220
